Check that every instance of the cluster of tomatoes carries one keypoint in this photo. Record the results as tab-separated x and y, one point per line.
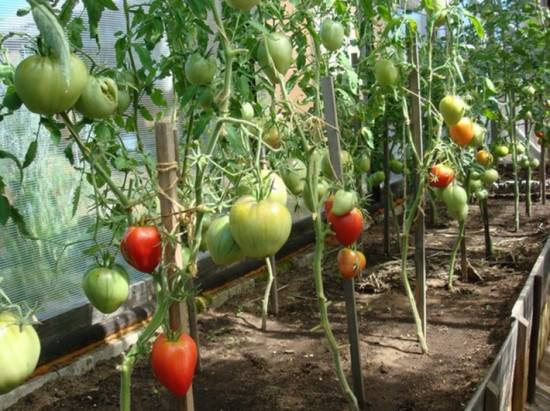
346	221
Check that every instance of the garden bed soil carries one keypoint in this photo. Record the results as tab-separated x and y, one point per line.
290	367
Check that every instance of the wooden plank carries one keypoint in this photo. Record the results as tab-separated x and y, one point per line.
492	397
534	339
333	136
519	389
168	177
420	230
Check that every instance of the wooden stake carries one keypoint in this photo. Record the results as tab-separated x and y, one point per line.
333	135
416	128
387	188
168	177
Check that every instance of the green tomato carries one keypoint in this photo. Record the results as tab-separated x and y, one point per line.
396	166
106	288
482	194
11	100
259	228
272	184
534	163
41	85
332	34
520	148
99	98
220	242
474	185
489	176
272	137
294	173
454	197
19	351
247	111
123	100
475	175
322	188
243	5
479	136
326	166
200	70
280	51
386	73
377	178
452	109
460	213
344	202
501	150
364	163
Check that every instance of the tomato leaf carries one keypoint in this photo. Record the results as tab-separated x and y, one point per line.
76	199
478	27
5	210
53	35
95	9
31	153
67	11
20	223
10	156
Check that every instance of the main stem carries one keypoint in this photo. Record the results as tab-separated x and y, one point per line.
454	253
267	293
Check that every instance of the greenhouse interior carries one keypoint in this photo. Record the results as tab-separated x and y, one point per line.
346	202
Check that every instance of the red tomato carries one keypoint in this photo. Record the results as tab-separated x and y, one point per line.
328	205
141	248
539	134
347	227
174	363
441	176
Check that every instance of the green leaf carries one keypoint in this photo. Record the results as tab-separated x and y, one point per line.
69	155
10	156
5	210
95	9
20	223
53	35
67	11
31	154
53	127
477	25
74	30
76	199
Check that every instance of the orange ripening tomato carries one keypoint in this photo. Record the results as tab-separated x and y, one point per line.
362	260
462	132
349	263
539	134
484	158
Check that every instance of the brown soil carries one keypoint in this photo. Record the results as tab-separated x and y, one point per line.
290	368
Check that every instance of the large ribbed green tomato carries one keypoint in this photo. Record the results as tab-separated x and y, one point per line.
19	352
220	242
455	197
106	288
99	98
280	50
260	228
332	34
41	85
243	5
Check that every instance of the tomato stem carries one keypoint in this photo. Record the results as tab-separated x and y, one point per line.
267	293
454	253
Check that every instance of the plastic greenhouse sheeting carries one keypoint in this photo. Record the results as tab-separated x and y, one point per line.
47	274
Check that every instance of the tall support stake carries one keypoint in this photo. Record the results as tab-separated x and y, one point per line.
387	188
542	177
416	127
168	176
333	136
